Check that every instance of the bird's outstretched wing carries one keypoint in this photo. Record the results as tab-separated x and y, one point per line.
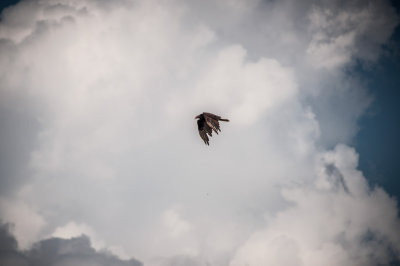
213	124
204	129
213	116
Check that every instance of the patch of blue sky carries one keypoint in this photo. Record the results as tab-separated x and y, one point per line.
378	140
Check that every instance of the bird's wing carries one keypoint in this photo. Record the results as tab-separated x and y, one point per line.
204	129
212	123
204	136
216	117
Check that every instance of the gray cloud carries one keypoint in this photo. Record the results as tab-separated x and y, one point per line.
18	137
56	251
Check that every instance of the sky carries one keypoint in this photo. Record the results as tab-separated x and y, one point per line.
101	162
377	157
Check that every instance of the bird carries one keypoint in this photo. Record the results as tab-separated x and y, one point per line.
207	123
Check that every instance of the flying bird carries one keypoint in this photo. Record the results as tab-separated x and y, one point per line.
207	123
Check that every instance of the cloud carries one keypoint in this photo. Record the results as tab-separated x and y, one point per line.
335	220
337	32
27	221
219	88
56	251
175	224
98	100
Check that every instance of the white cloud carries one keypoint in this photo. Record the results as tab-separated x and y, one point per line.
245	90
114	88
336	220
174	223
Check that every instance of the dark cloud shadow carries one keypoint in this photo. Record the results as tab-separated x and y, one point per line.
336	177
76	251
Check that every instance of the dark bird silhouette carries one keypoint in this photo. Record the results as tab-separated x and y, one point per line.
207	123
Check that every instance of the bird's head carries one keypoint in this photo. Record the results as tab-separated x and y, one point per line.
197	117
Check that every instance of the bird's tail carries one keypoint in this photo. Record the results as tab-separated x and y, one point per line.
222	119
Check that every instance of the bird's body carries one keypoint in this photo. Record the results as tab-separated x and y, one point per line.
207	123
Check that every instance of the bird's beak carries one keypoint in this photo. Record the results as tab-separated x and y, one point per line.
198	116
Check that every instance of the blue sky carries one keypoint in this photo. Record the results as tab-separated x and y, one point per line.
380	127
98	137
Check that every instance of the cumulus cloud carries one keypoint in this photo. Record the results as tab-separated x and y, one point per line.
335	220
98	100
